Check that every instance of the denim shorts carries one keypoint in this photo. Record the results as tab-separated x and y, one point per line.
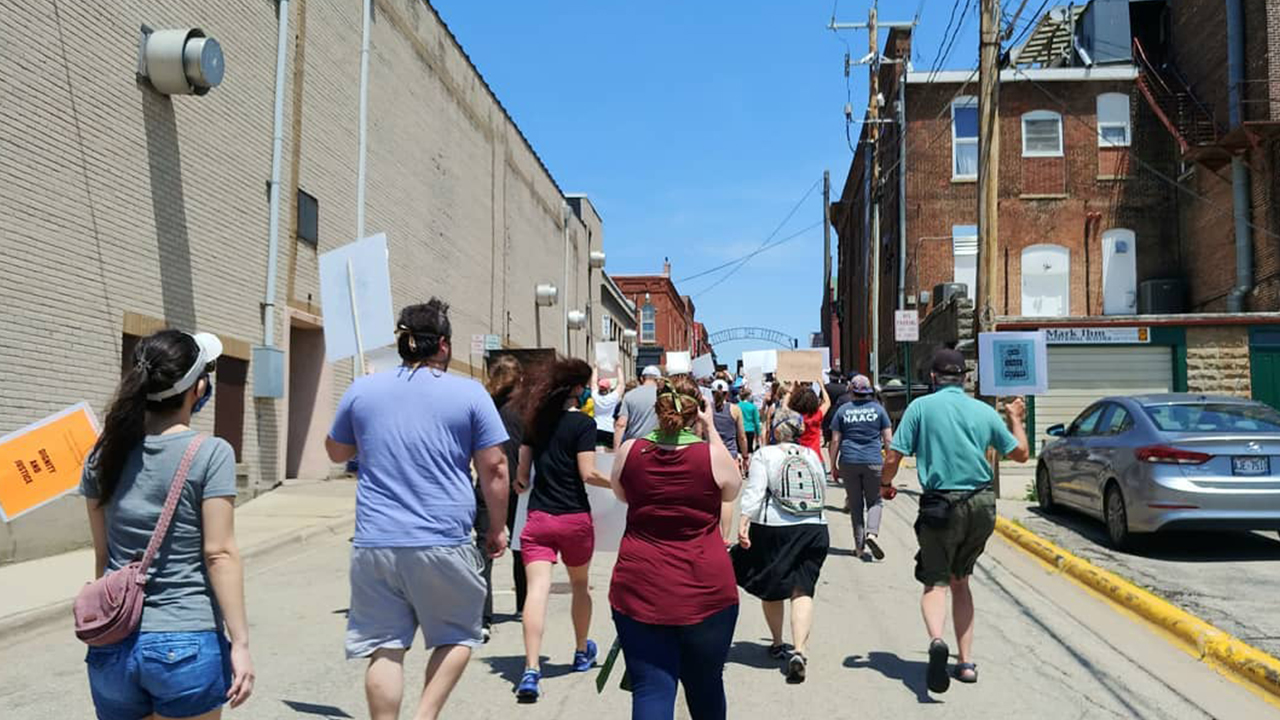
174	674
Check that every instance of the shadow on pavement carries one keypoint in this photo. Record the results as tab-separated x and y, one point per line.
910	673
511	667
325	711
1177	546
755	655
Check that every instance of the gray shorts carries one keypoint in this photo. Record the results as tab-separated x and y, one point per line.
394	591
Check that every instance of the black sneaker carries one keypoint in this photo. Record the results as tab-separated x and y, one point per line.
873	544
936	676
796	668
778	652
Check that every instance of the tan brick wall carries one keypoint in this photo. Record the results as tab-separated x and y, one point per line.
115	199
1218	360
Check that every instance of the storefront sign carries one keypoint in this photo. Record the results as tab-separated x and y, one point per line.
1098	336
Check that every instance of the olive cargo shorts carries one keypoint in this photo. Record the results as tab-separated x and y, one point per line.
952	551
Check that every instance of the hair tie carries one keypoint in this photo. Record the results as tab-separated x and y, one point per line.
143	364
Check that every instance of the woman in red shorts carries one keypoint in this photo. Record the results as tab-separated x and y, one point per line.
559	449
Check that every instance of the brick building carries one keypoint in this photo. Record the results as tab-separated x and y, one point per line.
125	210
666	318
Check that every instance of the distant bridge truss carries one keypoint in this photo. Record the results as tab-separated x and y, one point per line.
753	333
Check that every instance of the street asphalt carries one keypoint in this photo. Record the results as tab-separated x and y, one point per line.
1230	579
1046	648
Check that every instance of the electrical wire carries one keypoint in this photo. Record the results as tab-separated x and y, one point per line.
729	274
961	24
1031	23
754	253
763	244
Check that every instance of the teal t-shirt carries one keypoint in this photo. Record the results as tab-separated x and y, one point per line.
949	433
750	416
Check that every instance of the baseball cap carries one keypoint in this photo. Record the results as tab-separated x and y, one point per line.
720	386
210	350
651	371
948	362
861	385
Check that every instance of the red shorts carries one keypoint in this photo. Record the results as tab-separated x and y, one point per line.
571	536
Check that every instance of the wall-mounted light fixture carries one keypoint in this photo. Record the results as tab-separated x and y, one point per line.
629	334
577	320
180	61
596	259
546	294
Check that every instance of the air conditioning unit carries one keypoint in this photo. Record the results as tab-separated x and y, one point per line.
1165	296
943	292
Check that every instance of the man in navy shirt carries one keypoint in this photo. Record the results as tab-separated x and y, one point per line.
860	431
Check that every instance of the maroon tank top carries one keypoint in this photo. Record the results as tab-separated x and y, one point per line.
672	567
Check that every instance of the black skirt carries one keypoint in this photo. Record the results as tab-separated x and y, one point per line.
782	560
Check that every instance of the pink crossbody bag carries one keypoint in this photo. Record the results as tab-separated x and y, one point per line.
109	609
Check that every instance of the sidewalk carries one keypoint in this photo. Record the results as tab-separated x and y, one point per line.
40	591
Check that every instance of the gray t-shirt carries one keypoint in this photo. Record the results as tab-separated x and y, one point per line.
179	597
638	409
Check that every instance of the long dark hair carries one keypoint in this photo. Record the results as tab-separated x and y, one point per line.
159	361
504	376
546	399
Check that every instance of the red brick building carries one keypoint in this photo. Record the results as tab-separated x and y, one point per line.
665	317
1079	228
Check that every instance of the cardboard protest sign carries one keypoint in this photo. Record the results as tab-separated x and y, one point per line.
799	366
607	356
704	366
766	360
1013	363
355	296
679	363
44	461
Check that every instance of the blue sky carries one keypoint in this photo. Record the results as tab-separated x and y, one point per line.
695	128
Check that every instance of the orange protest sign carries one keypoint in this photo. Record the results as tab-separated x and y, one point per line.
43	461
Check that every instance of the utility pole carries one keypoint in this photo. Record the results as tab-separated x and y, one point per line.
826	256
988	173
874	59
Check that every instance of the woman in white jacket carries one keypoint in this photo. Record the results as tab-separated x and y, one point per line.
783	539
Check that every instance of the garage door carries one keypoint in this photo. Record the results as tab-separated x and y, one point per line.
1078	375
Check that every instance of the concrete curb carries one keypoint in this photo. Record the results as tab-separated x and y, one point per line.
21	623
1210	644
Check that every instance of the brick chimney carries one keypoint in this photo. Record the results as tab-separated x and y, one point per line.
666	267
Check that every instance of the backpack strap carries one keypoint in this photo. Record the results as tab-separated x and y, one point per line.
170	505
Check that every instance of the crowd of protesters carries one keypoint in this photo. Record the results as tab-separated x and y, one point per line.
449	471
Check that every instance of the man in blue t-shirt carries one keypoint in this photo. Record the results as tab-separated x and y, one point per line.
950	433
860	431
418	430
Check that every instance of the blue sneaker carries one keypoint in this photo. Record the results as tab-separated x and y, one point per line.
585	660
527	691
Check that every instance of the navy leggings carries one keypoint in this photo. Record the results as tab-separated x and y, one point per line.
659	656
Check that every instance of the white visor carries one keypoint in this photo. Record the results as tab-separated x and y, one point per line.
210	350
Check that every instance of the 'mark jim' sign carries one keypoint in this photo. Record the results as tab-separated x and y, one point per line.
1097	336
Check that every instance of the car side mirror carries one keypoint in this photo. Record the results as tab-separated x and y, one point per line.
1058	430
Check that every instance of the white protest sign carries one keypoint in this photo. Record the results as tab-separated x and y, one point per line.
755	380
766	360
906	326
383	358
355	297
1012	363
704	366
679	363
608	514
607	356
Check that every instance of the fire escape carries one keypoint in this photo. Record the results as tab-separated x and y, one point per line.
1200	138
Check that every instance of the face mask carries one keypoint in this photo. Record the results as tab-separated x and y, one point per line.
584	397
204	399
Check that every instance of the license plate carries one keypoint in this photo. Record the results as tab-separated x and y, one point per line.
1250	465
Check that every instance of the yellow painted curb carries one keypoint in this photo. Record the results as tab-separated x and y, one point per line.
1208	642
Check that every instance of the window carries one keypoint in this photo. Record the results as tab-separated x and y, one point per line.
1087	423
964	253
1214	417
308	218
964	138
1042	134
1117	423
606	327
1046	281
648	325
1113	120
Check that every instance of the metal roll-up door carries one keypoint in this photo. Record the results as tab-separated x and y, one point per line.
1080	374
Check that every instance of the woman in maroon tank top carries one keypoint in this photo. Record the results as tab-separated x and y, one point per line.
674	595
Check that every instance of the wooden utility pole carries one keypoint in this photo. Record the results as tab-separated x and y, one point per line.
988	172
873	133
827	299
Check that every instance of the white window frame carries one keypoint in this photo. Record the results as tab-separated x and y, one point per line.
964	101
1039	116
649	319
1110	116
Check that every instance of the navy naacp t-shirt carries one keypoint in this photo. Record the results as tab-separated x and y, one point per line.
860	424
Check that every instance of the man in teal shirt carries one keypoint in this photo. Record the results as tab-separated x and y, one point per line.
949	433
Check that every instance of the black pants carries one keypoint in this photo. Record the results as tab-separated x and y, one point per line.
517	570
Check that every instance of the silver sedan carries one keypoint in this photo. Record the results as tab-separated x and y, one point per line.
1177	461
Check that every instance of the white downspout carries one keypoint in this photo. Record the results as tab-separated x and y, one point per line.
364	117
564	302
277	150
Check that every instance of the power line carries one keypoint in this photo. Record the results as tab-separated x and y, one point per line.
763	244
754	253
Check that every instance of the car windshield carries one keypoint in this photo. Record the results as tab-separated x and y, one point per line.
1214	417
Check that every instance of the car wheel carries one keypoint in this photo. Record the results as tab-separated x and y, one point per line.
1044	489
1117	518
